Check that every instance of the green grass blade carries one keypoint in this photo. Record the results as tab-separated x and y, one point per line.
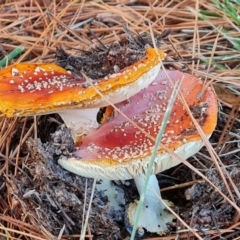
154	153
11	55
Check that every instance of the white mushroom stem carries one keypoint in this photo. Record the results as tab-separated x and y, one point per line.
153	216
80	122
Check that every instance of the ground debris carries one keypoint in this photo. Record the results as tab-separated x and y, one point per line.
209	208
51	197
102	60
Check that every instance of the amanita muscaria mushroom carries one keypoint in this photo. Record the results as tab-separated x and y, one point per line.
117	150
33	89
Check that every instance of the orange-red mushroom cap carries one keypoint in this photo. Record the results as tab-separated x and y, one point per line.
28	89
118	150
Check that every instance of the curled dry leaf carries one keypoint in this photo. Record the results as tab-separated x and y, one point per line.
225	95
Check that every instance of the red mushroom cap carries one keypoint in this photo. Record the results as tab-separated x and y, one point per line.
29	89
118	150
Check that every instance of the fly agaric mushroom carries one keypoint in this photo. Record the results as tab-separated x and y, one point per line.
118	150
34	89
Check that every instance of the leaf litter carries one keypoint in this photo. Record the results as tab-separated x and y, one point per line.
38	199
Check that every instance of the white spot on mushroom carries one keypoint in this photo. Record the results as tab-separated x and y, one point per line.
15	72
21	88
39	69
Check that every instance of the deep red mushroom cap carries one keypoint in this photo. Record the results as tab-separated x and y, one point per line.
118	150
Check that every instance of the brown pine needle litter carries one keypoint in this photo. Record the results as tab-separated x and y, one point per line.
40	200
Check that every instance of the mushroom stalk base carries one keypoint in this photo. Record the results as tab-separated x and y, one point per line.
115	196
153	216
